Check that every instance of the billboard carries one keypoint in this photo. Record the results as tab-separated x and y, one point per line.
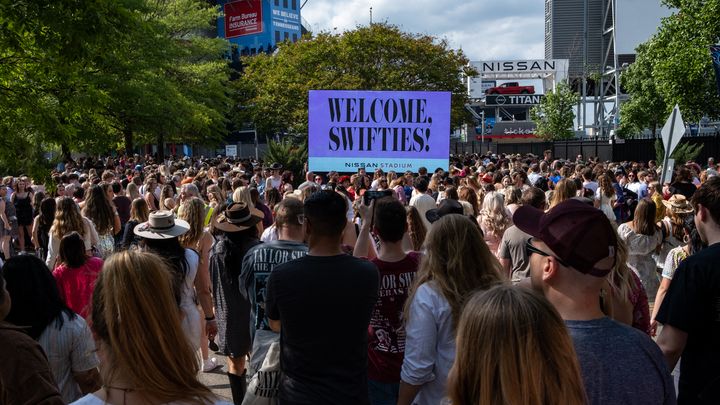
391	130
715	53
513	99
243	17
513	129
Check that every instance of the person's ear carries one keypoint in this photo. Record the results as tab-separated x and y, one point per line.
550	268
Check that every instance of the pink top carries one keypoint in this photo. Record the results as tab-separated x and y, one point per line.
76	284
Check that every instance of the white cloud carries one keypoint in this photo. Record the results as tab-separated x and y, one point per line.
484	29
509	29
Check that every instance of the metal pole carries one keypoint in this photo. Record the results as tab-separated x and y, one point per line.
667	147
482	126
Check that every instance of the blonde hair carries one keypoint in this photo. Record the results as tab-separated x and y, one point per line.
564	190
242	194
457	261
514	349
494	216
193	211
619	278
67	218
132	191
135	316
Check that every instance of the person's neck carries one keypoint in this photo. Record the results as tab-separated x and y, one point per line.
391	251
324	247
713	236
576	306
289	234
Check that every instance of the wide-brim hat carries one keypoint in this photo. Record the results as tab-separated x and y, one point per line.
161	225
678	204
447	206
238	217
276	166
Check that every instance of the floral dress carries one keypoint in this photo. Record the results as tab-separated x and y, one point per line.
640	260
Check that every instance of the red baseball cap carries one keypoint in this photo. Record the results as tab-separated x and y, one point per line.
579	234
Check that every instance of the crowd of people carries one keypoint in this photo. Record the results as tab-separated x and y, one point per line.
511	279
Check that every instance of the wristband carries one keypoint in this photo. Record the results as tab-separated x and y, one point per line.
209	318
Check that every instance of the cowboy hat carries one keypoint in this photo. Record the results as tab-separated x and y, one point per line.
275	166
238	217
678	204
161	225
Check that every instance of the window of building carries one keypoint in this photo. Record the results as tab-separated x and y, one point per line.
277	36
287	36
294	4
294	37
277	3
285	3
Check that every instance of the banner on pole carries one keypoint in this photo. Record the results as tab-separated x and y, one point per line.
715	53
390	130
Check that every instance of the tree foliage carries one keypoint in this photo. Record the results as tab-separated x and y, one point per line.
290	152
273	91
683	153
77	76
674	67
554	115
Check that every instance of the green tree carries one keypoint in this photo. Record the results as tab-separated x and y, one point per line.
291	152
273	91
674	67
88	76
554	115
683	153
646	108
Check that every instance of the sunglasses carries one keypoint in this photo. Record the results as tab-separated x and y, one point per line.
530	249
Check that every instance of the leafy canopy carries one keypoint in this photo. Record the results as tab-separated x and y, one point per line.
273	91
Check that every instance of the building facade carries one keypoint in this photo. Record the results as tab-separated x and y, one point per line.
257	26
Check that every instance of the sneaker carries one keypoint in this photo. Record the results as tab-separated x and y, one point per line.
210	365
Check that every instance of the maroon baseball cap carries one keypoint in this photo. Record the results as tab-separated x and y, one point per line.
580	235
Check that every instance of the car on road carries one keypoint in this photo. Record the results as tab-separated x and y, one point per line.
511	88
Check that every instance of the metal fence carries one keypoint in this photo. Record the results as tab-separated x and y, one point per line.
616	151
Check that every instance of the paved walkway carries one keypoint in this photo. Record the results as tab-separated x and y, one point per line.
217	380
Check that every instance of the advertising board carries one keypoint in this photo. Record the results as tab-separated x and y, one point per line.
243	17
513	99
391	130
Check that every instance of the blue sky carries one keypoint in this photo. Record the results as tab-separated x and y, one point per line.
484	29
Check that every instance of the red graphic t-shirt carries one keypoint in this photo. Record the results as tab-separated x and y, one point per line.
386	333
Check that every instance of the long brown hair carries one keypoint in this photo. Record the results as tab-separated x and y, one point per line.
67	218
606	185
644	220
416	228
139	210
135	317
468	194
514	349
99	210
457	261
193	211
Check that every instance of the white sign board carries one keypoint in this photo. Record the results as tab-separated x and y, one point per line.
231	150
672	132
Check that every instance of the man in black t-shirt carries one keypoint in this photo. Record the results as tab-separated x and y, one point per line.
321	305
690	311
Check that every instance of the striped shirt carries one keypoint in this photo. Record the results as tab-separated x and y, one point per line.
70	349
